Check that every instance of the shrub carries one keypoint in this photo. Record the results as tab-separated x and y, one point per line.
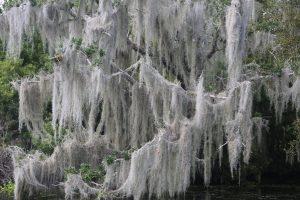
294	142
77	42
126	155
90	50
37	2
116	3
74	3
45	146
87	173
110	159
7	189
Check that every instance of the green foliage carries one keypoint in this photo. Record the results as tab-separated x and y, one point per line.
267	63
215	78
33	58
44	145
7	189
294	142
268	18
71	170
11	69
267	25
103	195
217	9
283	20
116	3
169	76
257	114
91	51
126	155
130	25
99	57
74	3
34	53
77	42
110	159
87	173
101	52
7	4
37	2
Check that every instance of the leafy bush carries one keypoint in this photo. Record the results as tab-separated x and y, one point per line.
217	9
294	142
71	170
285	24
116	3
267	25
46	146
99	57
90	50
33	58
101	52
110	159
215	77
37	2
7	4
87	173
33	53
77	42
74	3
7	189
126	155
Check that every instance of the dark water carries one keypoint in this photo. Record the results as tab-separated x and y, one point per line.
249	193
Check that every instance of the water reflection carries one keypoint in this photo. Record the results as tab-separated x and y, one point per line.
249	193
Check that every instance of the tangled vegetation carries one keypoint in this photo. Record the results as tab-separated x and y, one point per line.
7	190
284	23
292	148
87	173
145	102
